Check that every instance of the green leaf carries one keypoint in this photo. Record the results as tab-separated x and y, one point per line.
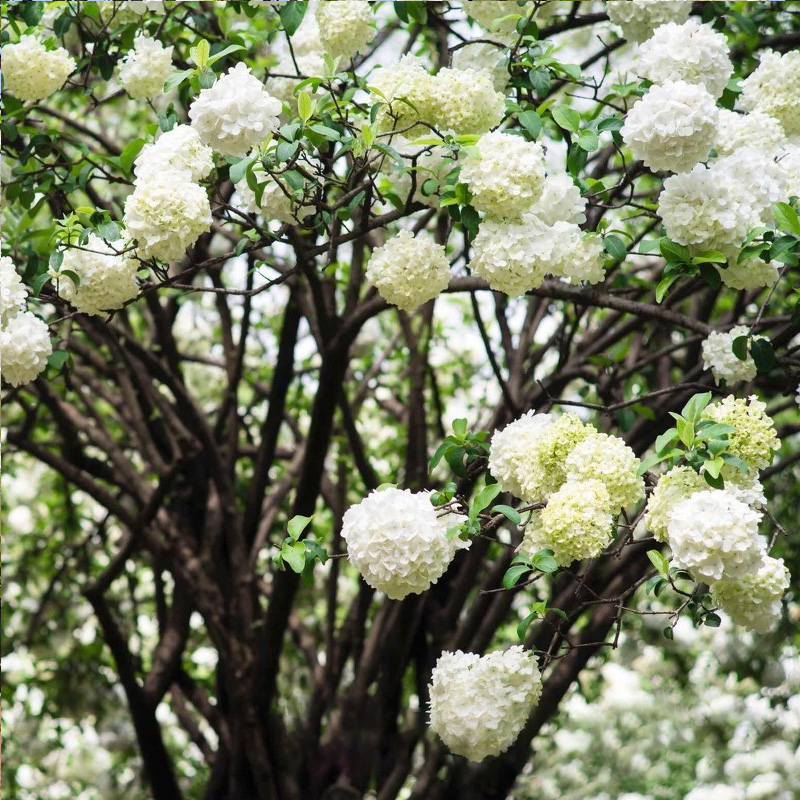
237	171
200	53
786	218
523	626
739	347
567	118
58	358
664	284
615	247
572	71
291	15
511	514
691	411
297	525
330	134
588	140
128	155
710	275
672	251
610	124
513	574
294	554
540	81
73	276
460	427
710	257
763	354
483	499
668	633
665	440
231	48
544	561
470	220
712	620
713	467
659	561
531	121
439	454
177	78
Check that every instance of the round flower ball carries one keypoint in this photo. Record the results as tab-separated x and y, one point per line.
756	129
484	57
581	257
107	278
236	113
773	88
505	174
639	18
145	69
671	490
512	450
166	215
407	91
751	273
409	270
465	101
714	535
398	542
479	704
560	201
754	600
692	52
609	460
345	26
672	127
31	72
24	348
718	356
179	151
754	439
13	291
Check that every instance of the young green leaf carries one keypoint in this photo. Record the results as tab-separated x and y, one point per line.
297	525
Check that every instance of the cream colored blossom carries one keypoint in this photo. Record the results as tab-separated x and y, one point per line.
31	72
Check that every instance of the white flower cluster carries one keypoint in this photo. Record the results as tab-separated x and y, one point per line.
278	200
107	279
692	52
145	69
236	113
505	174
713	535
397	541
178	151
561	201
165	215
24	339
483	57
308	56
31	72
715	207
718	356
756	129
672	127
345	26
13	292
409	270
773	88
497	17
479	704
751	273
639	18
584	476
755	599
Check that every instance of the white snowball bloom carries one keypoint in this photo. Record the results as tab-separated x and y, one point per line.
24	348
479	704
408	90
398	542
718	356
497	17
465	101
639	18
13	291
513	448
716	206
693	52
145	69
715	535
345	26
409	270
671	490
236	113
165	215
609	460
30	72
789	163
752	273
754	600
180	151
773	88
672	127
484	57
107	279
278	201
747	130
504	173
581	256
560	201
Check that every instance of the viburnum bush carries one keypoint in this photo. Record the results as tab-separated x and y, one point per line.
371	369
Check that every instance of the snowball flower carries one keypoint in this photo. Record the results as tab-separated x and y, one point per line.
639	18
575	524
692	52
24	348
498	18
12	290
409	270
560	201
504	173
345	26
278	200
747	130
754	438
408	91
672	127
714	535
398	542
773	88
789	162
236	113
581	257
145	69
718	356
465	101
671	490
30	72
179	150
107	279
609	460
483	57
512	450
751	273
166	215
754	600
479	704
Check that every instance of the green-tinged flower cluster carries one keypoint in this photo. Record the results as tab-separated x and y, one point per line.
673	488
754	438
